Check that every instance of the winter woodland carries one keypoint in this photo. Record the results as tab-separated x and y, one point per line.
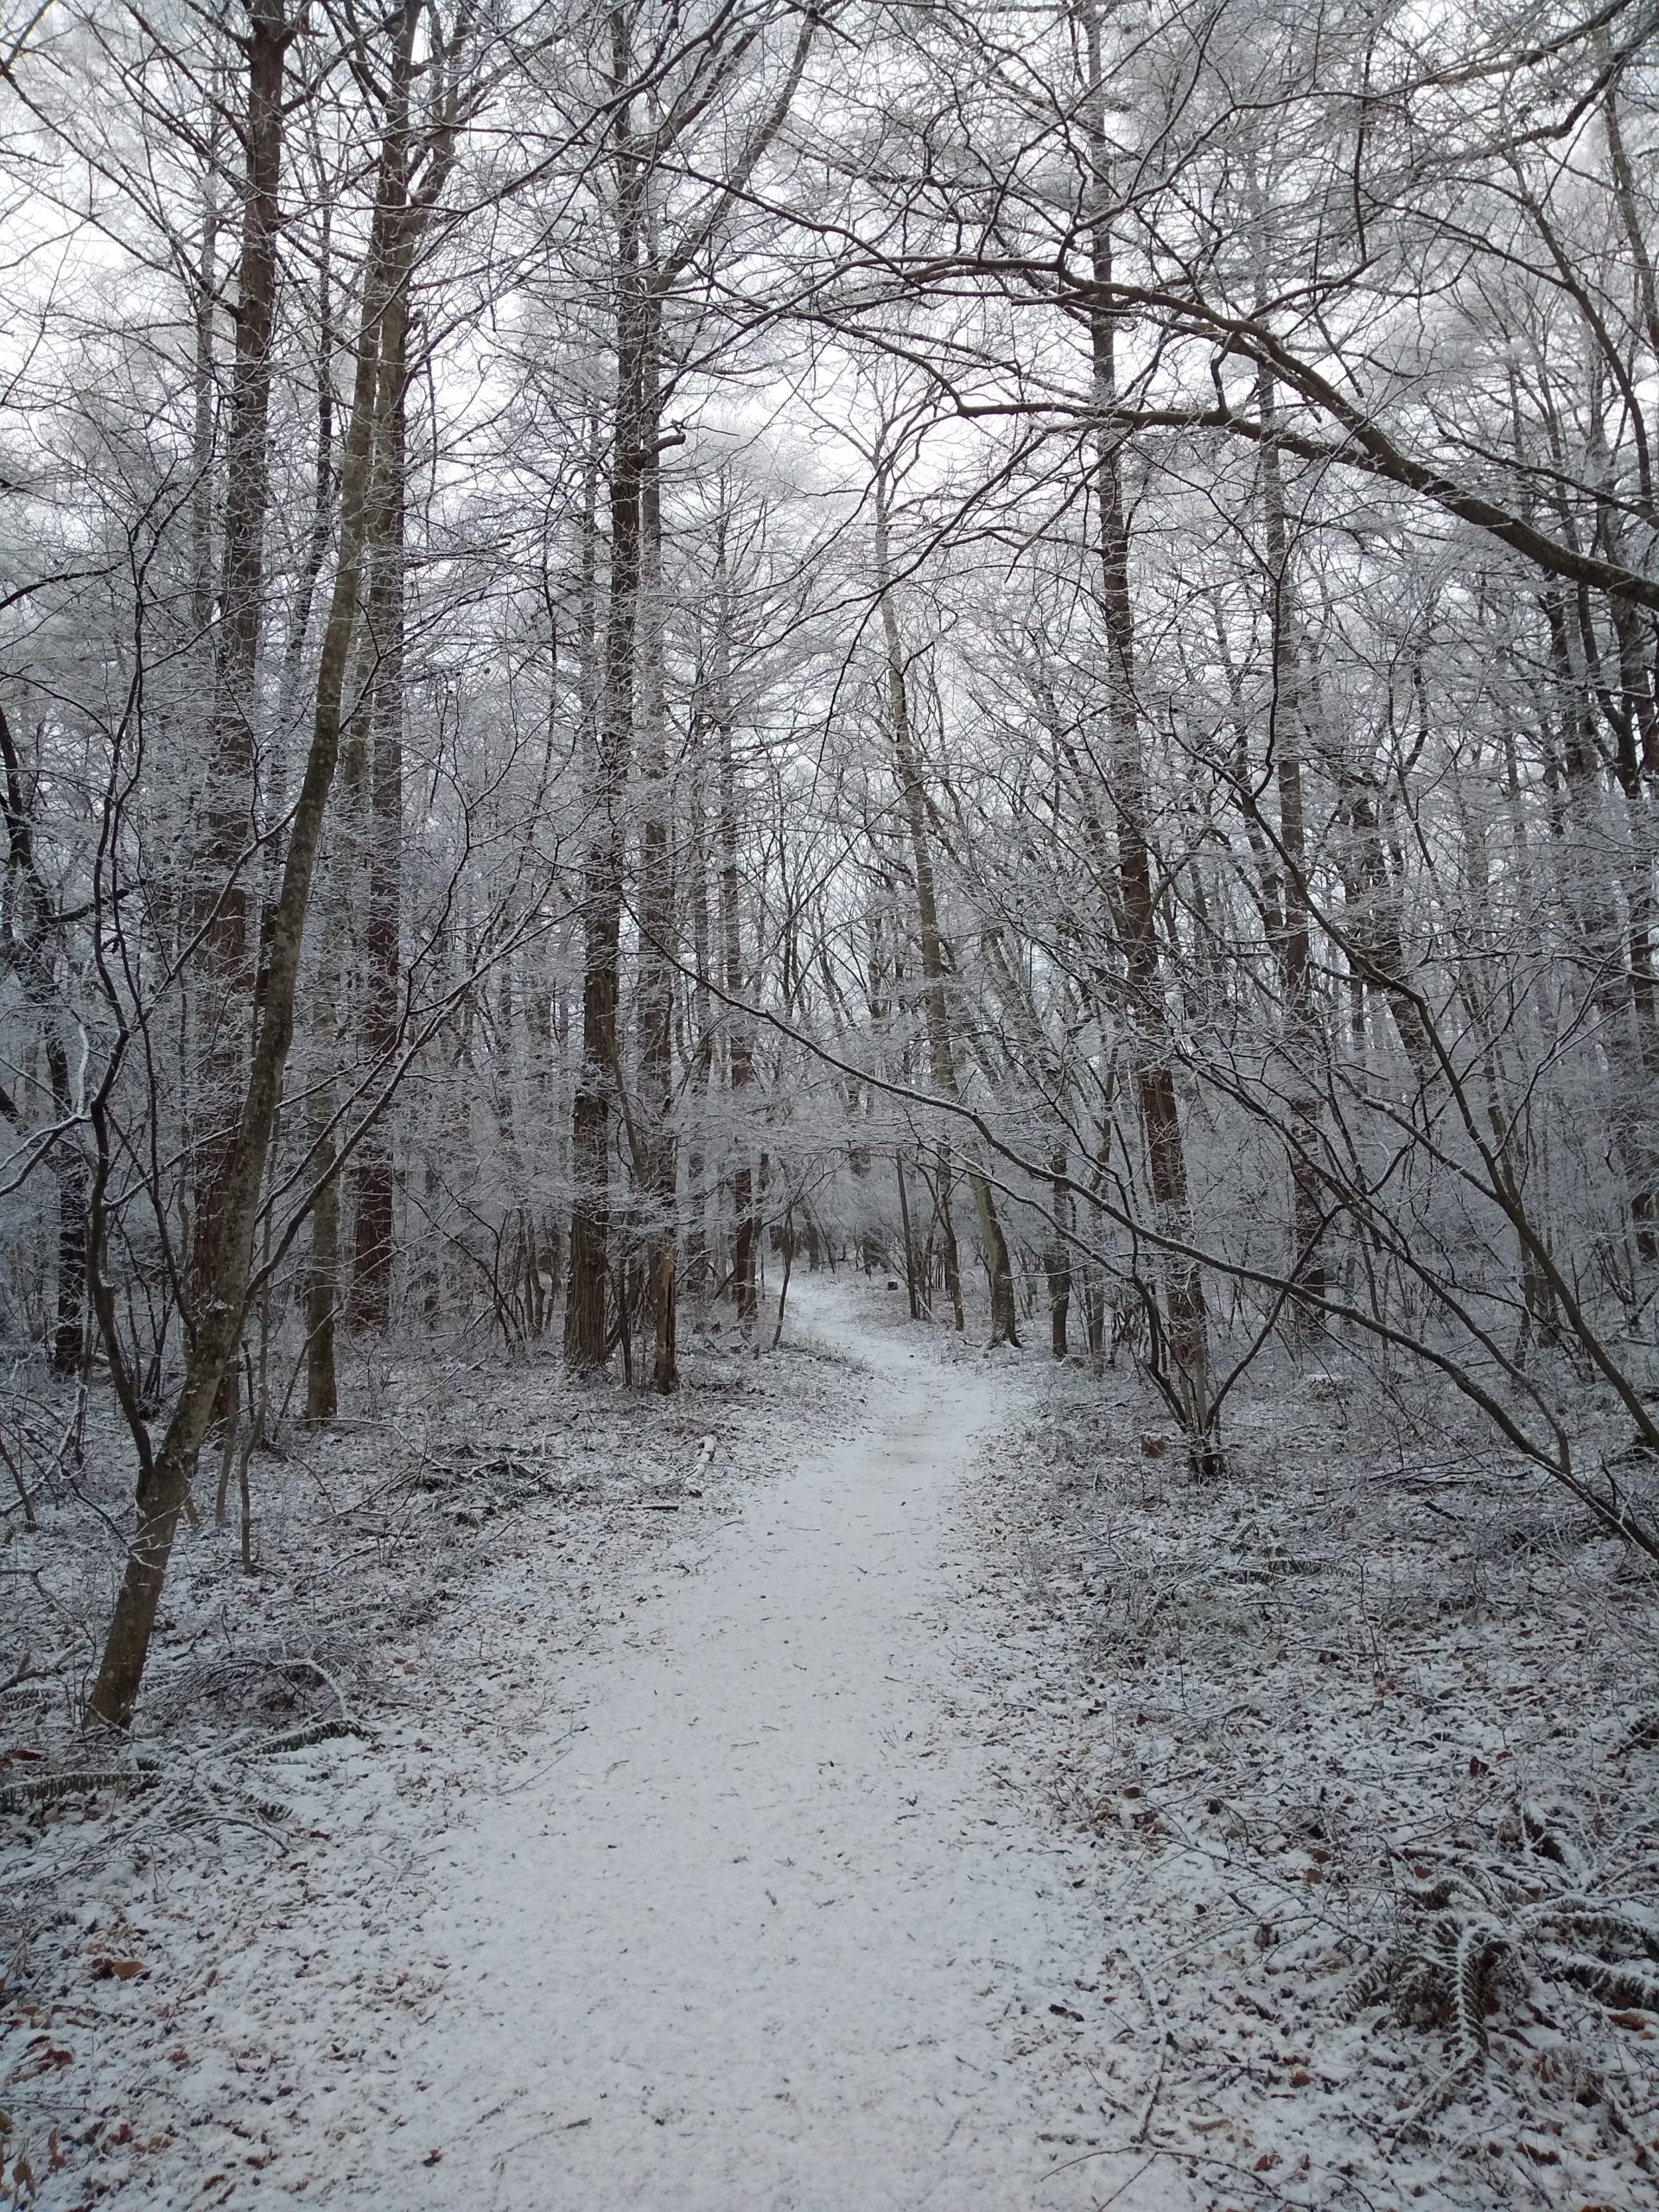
906	749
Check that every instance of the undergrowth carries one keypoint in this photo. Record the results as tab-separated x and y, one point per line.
1364	1751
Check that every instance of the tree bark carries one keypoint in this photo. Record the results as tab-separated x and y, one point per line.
586	1335
222	906
374	1225
739	1053
656	1082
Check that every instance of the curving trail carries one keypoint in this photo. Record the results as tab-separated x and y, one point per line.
761	1936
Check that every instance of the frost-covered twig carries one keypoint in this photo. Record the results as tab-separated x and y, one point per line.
49	1789
301	1737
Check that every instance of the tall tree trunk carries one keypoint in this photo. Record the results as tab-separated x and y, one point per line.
585	1331
222	1251
290	688
700	1045
29	908
340	869
1585	859
222	907
201	437
1159	1110
367	859
739	1063
374	1227
322	1270
1303	1032
660	1162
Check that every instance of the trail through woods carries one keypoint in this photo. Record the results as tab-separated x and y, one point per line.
765	1931
699	1854
870	1779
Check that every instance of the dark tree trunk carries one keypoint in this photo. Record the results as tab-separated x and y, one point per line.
30	909
585	1333
374	1225
221	904
660	1163
1059	1259
739	1058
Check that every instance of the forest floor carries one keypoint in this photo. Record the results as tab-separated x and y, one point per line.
877	1779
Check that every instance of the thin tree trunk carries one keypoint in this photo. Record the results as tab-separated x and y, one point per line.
1187	1323
936	1007
698	1272
1059	1257
1304	1039
322	1271
374	1227
316	551
910	1286
201	438
586	1335
950	1258
788	1248
656	1081
33	964
739	1055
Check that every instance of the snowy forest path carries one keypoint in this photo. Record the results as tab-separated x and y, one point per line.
767	1932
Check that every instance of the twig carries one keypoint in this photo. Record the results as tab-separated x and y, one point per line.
1156	2016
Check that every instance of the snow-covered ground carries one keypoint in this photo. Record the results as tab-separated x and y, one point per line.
730	1905
764	1931
879	1778
1342	1732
